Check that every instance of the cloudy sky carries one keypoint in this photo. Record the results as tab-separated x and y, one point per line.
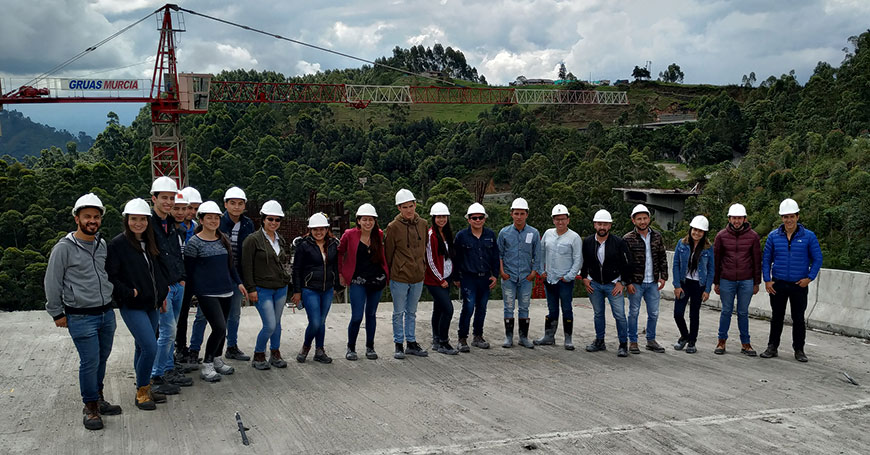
713	41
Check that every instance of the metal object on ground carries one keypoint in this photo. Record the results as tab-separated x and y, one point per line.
242	429
849	378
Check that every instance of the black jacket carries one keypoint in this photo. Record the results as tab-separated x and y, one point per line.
617	260
128	270
169	244
310	270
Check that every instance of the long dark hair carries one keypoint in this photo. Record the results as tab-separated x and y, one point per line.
225	241
696	249
445	243
147	237
376	242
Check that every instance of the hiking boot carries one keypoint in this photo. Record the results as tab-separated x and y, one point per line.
370	353
350	354
549	333
233	352
654	346
106	408
184	368
769	352
276	360
208	374
680	344
222	368
463	345
508	333
174	376
143	399
720	347
633	348
400	351
746	349
193	359
156	397
303	354
524	334
691	349
623	350
260	362
800	356
160	385
415	349
568	328
446	348
180	354
91	418
320	356
435	343
479	342
597	345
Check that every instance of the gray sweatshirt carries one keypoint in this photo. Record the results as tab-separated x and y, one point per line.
76	276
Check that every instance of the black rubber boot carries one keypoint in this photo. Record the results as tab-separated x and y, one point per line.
508	333
549	332
524	334
568	327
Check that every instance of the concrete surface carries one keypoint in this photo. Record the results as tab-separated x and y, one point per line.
546	400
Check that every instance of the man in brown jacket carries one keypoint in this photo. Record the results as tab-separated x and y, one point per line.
650	275
405	248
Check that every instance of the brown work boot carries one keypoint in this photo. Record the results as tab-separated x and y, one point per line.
746	348
276	360
720	348
91	418
633	348
143	398
259	362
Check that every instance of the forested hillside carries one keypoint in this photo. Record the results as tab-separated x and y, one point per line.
808	142
22	137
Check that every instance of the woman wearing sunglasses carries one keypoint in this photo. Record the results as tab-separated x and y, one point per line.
264	254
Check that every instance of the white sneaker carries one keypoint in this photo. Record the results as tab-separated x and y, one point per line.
221	367
208	374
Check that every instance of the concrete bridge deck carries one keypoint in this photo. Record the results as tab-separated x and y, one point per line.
546	400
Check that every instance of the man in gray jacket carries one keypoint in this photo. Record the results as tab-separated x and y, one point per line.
79	297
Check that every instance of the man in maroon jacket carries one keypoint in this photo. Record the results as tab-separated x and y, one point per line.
737	253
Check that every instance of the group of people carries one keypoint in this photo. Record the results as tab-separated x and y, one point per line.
180	248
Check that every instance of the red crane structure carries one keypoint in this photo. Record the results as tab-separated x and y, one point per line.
173	94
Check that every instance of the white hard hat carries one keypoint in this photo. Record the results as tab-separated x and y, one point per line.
639	208
366	210
404	196
235	193
475	208
181	198
192	195
700	222
318	220
136	206
89	200
163	184
602	216
208	207
737	210
788	207
519	204
272	208
560	209
439	208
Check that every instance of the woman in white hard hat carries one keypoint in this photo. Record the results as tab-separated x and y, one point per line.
693	271
140	287
439	268
315	276
208	258
264	254
363	267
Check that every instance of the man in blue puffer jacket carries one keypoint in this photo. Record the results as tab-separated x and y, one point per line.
792	258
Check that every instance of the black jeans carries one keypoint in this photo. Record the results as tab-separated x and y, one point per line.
785	292
181	328
442	312
215	310
691	296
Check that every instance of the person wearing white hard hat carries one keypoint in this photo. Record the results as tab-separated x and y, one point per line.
737	254
264	255
315	277
405	249
179	214
188	228
561	259
477	264
165	377
140	287
650	275
208	258
792	259
607	263
363	269
519	247
439	276
693	271
79	298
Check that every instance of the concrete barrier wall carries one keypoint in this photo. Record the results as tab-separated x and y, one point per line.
838	301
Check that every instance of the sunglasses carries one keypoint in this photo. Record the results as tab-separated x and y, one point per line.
273	219
476	218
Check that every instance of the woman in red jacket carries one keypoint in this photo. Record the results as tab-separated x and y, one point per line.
363	268
439	268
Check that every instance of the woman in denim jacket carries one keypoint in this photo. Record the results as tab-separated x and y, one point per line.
693	278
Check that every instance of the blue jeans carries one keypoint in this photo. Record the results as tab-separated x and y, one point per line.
406	296
167	325
727	291
93	336
517	291
617	307
650	294
317	304
142	324
362	301
270	305
475	296
198	331
560	292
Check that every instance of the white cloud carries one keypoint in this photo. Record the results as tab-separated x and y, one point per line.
124	6
429	35
209	57
304	67
357	36
506	66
